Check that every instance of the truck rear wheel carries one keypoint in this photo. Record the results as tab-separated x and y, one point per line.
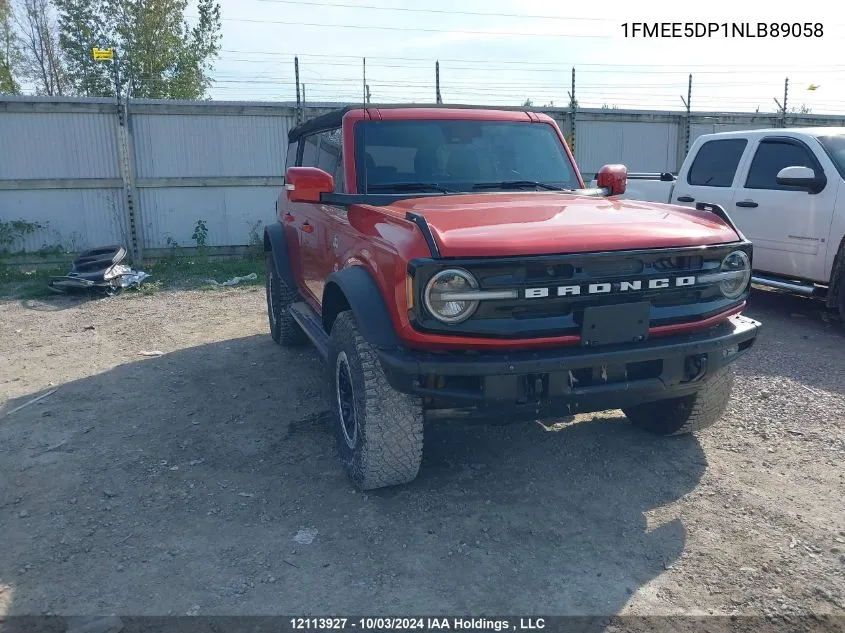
284	330
840	303
836	296
379	430
678	416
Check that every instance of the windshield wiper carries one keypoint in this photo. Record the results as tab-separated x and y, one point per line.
408	186
516	184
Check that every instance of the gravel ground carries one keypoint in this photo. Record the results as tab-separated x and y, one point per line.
204	480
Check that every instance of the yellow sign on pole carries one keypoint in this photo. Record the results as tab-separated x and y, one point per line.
103	54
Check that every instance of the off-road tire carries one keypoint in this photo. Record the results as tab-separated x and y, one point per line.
381	442
836	298
679	416
840	291
284	330
842	307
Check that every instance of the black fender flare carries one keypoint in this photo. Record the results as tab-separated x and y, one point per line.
354	287
274	241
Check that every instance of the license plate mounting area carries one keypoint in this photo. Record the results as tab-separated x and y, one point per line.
613	324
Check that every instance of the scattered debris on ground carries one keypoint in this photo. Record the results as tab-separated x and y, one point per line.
99	269
231	282
29	402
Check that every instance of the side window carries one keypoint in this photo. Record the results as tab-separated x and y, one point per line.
716	163
330	158
772	156
290	160
339	183
310	150
324	151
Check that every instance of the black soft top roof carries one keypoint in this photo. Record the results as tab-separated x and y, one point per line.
323	122
334	118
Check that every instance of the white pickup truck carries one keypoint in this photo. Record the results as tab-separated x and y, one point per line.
784	188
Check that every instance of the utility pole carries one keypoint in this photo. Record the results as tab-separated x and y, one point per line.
368	93
303	101
298	106
783	107
437	97
573	105
365	80
688	104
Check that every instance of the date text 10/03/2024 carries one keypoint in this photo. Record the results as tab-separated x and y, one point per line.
723	29
418	624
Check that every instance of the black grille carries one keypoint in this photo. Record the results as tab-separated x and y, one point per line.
554	315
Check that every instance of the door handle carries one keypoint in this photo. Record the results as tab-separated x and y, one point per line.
686	199
747	203
307	227
289	217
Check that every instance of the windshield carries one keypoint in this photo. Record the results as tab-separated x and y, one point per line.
460	156
835	148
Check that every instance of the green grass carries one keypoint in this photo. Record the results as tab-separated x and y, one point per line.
193	271
23	283
174	273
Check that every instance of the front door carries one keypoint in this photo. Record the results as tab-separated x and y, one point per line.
711	176
788	227
321	150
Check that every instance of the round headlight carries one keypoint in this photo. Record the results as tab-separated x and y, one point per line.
445	295
738	265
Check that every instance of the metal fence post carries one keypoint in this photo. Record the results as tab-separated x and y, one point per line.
130	192
298	118
127	171
785	96
688	103
573	107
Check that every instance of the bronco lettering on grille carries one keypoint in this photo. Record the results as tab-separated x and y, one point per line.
610	287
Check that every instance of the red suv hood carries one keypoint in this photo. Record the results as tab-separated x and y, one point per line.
534	223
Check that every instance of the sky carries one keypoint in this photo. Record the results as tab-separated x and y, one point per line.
502	52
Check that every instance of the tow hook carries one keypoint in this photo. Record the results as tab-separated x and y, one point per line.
699	365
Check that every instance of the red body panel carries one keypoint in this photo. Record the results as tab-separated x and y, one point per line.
480	225
535	223
305	184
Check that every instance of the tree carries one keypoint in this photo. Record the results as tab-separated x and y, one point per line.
528	103
11	57
82	28
203	46
159	55
42	64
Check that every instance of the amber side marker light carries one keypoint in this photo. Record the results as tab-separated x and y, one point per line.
409	292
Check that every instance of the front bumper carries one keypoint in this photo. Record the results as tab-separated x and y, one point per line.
569	380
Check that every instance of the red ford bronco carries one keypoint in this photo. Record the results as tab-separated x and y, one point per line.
450	261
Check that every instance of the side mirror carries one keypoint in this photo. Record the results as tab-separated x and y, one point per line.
614	178
802	177
307	184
